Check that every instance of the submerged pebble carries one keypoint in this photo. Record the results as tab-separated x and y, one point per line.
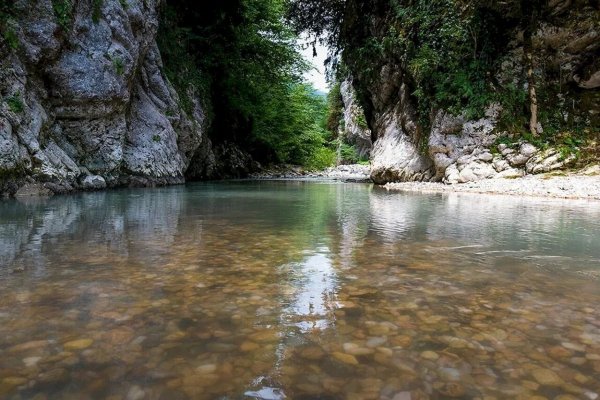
217	297
78	344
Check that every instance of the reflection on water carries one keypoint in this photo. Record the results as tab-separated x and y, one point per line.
314	284
298	290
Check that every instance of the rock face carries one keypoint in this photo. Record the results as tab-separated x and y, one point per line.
396	155
465	151
85	103
355	129
454	149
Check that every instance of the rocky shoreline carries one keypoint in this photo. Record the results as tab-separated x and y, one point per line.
581	184
347	173
584	184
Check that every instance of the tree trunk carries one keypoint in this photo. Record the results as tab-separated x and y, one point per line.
533	104
530	10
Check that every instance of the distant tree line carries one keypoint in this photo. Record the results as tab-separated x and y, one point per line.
242	59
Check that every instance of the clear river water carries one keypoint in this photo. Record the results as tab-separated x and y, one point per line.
298	290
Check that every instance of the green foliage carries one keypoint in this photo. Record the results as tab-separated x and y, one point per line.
155	138
321	158
361	121
10	35
242	58
321	18
182	68
513	100
335	109
96	10
6	8
449	49
124	4
15	103
63	10
7	24
119	65
508	141
563	127
291	124
348	154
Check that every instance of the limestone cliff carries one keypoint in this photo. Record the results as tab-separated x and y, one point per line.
354	129
85	103
452	147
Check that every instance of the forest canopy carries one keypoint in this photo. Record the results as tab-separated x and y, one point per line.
450	53
244	61
242	57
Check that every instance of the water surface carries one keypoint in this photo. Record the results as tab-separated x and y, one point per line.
298	290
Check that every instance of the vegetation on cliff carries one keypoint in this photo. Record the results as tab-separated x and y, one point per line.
461	56
7	30
243	59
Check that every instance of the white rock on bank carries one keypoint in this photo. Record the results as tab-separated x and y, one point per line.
93	182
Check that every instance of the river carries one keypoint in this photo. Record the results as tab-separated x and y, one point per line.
298	290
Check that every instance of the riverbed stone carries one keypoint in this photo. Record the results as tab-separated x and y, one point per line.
449	374
207	368
312	353
14	381
345	358
430	355
356	350
78	344
546	377
453	389
31	345
31	361
53	376
135	393
573	346
249	346
376	341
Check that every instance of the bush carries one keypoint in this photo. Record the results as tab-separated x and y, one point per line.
119	65
15	104
321	158
348	154
96	10
63	10
7	25
335	109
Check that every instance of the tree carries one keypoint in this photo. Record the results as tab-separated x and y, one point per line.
245	58
530	12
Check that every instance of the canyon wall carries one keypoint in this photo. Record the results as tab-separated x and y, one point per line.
85	103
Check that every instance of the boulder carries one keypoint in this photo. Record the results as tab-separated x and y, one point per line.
93	182
33	190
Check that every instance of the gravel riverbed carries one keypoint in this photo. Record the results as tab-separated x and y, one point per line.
567	187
